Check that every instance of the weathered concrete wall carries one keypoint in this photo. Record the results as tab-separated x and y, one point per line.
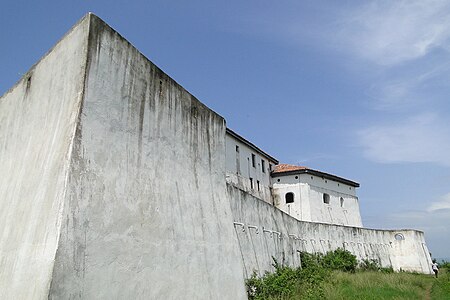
147	215
37	123
264	232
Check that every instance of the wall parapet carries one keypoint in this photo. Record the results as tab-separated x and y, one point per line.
263	232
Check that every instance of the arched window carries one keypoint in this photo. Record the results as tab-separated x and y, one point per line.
342	202
399	237
289	198
326	198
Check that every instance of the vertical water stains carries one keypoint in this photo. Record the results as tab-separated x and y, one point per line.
141	122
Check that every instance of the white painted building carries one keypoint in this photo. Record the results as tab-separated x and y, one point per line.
303	193
248	167
315	196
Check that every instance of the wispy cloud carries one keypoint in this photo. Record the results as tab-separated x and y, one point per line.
443	203
433	223
422	138
400	91
391	32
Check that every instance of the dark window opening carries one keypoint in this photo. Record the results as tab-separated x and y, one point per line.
342	202
263	166
296	177
251	183
270	167
326	198
257	183
289	198
238	161
253	160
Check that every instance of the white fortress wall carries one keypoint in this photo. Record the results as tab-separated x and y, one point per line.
37	124
264	232
147	214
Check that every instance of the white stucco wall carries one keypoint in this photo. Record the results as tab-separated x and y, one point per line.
265	232
308	202
37	123
147	216
239	169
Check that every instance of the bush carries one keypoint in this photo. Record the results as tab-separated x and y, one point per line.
307	280
369	265
282	283
341	260
373	265
445	265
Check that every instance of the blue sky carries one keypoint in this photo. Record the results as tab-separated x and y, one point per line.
357	89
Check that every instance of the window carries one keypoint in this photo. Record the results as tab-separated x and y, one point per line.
342	202
238	161
289	198
296	177
253	160
251	183
326	198
263	166
257	183
399	237
270	167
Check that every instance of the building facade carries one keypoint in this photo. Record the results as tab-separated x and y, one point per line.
301	192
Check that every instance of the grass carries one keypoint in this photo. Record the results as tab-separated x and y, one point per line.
441	287
376	285
320	280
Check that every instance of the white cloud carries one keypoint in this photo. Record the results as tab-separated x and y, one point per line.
443	203
391	32
435	224
434	221
423	138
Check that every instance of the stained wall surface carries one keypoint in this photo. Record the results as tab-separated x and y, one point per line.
264	232
147	216
37	124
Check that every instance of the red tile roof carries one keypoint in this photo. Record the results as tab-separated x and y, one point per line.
287	168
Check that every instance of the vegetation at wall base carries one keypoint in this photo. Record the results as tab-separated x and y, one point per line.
337	275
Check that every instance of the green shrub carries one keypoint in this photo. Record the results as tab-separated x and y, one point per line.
369	265
445	265
341	260
308	281
373	265
282	283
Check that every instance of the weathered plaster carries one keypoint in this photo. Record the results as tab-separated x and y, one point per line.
37	123
265	232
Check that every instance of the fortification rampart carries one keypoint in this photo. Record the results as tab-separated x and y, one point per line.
264	232
112	180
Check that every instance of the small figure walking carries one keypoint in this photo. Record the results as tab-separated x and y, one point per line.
435	268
